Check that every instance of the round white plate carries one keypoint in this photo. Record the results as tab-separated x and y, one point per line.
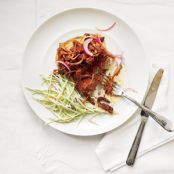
39	58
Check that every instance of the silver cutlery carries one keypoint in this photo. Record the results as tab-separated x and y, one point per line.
161	120
148	102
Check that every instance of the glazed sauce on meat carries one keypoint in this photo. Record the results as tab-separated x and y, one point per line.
86	71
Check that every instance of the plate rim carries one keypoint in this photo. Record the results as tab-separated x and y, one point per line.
104	130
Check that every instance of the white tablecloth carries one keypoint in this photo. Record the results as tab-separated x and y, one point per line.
27	146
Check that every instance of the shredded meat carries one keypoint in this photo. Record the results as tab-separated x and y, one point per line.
85	71
108	86
104	106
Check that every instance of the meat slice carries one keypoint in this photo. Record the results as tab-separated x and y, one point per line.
103	103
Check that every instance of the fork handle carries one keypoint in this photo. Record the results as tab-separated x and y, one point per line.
162	121
135	146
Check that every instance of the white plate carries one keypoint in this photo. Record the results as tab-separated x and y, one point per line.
39	58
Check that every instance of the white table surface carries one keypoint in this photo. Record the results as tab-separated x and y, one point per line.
27	146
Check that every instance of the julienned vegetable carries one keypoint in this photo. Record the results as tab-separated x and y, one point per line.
61	98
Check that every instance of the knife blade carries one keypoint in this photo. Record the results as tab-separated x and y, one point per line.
153	89
148	102
151	94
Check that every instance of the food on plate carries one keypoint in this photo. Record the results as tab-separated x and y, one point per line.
82	63
85	61
63	100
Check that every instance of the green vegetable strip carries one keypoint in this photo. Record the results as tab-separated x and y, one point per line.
62	99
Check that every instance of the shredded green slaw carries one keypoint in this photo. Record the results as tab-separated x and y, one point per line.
63	100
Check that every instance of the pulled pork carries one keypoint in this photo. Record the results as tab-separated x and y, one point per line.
84	70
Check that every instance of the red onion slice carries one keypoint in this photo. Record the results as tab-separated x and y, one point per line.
109	53
76	63
63	63
85	46
106	29
98	40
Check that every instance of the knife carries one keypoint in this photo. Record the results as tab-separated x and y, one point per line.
148	102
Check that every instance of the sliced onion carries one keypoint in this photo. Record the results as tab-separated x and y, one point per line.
109	53
76	63
107	29
88	37
119	57
63	63
85	46
98	40
75	57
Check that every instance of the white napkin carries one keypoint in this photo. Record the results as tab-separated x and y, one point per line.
113	149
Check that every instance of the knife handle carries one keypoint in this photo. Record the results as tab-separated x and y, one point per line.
135	146
162	121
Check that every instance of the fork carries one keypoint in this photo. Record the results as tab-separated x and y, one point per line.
161	120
